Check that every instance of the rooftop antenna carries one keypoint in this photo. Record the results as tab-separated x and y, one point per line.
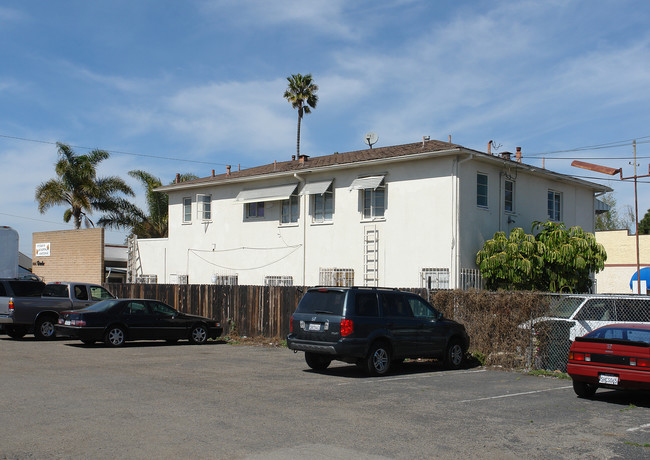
370	138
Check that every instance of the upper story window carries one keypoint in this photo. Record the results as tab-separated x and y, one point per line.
374	202
509	196
203	206
187	209
255	209
481	190
554	206
323	206
290	210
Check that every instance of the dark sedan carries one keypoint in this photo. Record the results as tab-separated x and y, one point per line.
115	321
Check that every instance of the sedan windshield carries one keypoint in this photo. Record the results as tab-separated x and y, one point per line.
102	306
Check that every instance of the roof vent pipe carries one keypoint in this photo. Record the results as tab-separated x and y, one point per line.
213	173
489	147
518	154
178	177
424	139
227	170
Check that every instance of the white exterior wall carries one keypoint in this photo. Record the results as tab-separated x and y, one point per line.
431	221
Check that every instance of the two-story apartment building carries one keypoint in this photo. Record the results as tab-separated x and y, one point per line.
406	215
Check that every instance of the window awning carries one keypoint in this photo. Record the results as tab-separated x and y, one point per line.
362	183
316	188
276	193
600	207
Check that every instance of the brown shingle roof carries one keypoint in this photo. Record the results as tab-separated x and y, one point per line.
330	160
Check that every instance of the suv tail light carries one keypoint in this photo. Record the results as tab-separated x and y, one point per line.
11	306
346	327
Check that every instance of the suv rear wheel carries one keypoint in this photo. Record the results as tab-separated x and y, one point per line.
316	361
378	360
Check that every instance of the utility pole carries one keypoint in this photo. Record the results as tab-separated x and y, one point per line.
636	225
611	172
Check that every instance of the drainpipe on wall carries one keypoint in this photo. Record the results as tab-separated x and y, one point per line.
304	233
455	253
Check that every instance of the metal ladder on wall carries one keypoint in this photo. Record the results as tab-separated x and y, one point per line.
371	256
134	264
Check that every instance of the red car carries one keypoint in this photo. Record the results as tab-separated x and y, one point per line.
616	356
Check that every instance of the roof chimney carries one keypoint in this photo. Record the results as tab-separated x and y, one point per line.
213	173
293	157
518	154
178	177
227	170
489	148
302	158
506	155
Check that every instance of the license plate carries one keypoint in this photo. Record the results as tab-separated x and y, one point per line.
314	327
67	322
608	379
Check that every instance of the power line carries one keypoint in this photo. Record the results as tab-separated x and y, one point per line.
117	151
609	145
64	224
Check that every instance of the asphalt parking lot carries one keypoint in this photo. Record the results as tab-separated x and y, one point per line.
153	400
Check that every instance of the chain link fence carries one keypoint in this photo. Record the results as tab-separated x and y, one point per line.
534	330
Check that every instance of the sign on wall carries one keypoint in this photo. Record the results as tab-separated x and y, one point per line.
42	249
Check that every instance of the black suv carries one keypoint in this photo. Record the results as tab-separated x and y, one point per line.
373	328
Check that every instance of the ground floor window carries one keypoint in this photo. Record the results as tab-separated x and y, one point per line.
278	281
336	277
434	278
225	280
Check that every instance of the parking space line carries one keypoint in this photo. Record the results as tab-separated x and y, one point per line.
514	394
641	427
412	377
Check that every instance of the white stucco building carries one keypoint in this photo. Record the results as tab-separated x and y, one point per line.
399	216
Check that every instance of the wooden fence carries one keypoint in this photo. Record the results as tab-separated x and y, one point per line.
245	310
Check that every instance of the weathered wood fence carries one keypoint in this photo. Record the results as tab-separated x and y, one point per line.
245	310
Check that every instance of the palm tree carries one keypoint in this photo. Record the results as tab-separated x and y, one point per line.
128	215
301	93
78	187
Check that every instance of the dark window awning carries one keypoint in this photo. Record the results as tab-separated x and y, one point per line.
363	183
316	188
275	193
600	207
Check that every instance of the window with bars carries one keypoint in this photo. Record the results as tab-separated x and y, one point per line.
225	280
434	278
278	281
336	277
146	279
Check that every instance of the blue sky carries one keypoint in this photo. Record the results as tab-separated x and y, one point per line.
200	83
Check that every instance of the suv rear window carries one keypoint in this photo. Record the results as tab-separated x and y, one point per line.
27	288
325	301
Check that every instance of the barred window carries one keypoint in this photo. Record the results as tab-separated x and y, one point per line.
278	281
336	277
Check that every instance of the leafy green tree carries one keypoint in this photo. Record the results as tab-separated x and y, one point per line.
301	94
644	224
557	259
152	224
79	188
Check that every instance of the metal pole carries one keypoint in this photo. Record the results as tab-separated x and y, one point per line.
636	225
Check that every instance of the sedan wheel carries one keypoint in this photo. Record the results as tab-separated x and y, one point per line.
584	390
378	360
44	329
115	337
199	334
